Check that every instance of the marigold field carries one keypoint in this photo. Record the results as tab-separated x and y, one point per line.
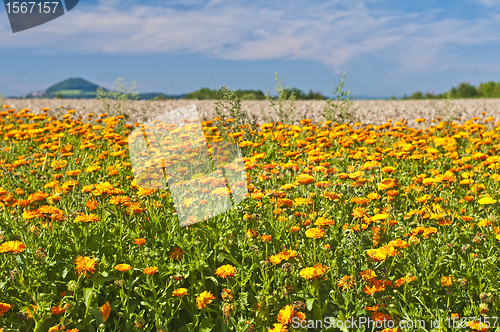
343	221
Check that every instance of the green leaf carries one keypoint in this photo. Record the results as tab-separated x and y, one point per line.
97	315
309	304
87	296
206	325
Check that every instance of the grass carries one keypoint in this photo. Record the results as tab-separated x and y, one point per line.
341	220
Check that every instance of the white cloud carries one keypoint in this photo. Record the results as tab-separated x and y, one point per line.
327	33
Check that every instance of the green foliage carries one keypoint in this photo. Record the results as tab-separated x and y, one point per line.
59	95
231	103
417	95
123	97
464	90
206	93
285	98
160	97
338	110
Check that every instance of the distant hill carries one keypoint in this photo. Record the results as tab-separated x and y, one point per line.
78	88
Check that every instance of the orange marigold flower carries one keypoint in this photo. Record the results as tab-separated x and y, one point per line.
57	310
404	280
346	282
92	204
227	295
358	212
140	241
84	265
204	299
286	314
105	311
150	270
14	247
120	200
73	173
123	267
180	292
398	243
4	307
176	254
305	179
225	271
84	217
30	214
266	238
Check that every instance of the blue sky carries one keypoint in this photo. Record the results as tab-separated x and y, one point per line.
386	47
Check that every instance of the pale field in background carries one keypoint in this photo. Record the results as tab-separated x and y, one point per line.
373	112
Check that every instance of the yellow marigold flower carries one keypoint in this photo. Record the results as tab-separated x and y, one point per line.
84	265
150	270
278	327
225	271
308	273
315	233
299	201
204	299
276	259
447	280
313	272
374	196
486	200
14	247
221	191
286	314
57	328
105	311
180	292
123	267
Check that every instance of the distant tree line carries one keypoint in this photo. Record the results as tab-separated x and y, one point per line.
206	93
464	90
